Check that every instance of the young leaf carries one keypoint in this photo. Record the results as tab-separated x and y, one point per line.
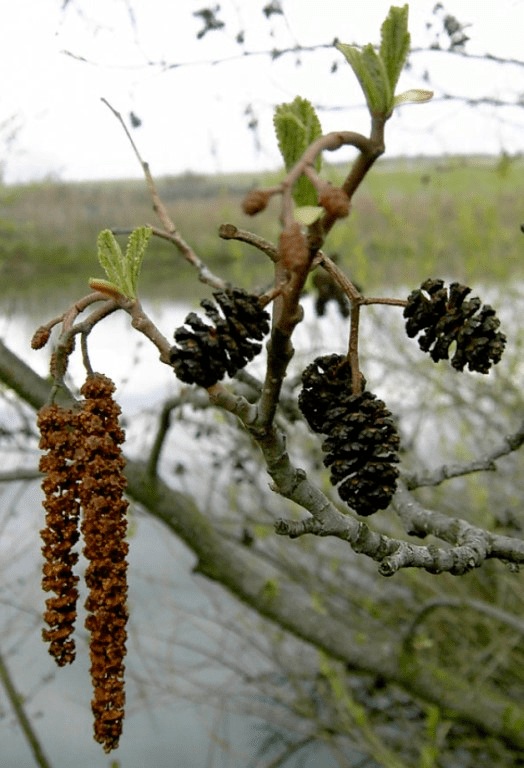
394	47
372	76
297	126
110	257
136	248
123	270
414	95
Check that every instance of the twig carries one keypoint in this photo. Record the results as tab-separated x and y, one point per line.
477	605
23	721
356	378
85	354
230	232
205	275
389	302
164	422
480	464
170	231
18	475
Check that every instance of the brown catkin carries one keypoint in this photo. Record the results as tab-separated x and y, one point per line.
57	427
103	528
40	337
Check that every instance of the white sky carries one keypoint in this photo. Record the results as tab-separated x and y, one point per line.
193	117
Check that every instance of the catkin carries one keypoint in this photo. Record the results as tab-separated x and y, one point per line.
104	528
84	470
57	427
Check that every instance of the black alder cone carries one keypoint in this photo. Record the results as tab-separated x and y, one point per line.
446	317
362	441
204	353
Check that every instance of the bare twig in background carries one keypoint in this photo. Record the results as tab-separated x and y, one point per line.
23	720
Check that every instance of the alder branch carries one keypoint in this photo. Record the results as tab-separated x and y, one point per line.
195	397
471	546
241	571
477	605
230	232
486	463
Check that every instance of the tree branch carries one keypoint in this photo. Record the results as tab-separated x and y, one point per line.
486	463
241	571
170	231
23	721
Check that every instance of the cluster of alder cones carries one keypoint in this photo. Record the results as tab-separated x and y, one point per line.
361	441
83	487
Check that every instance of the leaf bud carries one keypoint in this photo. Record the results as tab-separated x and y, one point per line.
335	201
255	201
293	247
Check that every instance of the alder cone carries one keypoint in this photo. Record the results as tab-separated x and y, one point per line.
445	317
205	353
362	442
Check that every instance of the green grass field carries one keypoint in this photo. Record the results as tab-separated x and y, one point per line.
450	217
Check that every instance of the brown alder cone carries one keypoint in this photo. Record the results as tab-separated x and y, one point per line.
57	427
104	528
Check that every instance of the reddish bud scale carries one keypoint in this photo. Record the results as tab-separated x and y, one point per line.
255	201
293	248
335	201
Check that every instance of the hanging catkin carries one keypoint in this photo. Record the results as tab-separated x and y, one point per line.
103	529
58	434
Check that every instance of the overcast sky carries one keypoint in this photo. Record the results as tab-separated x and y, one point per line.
57	62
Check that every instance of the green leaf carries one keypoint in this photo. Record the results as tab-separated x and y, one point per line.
378	73
123	270
110	257
136	248
308	214
296	127
372	76
394	46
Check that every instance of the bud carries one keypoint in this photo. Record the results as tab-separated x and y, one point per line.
255	201
335	201
293	248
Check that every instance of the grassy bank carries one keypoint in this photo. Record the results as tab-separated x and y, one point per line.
411	219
